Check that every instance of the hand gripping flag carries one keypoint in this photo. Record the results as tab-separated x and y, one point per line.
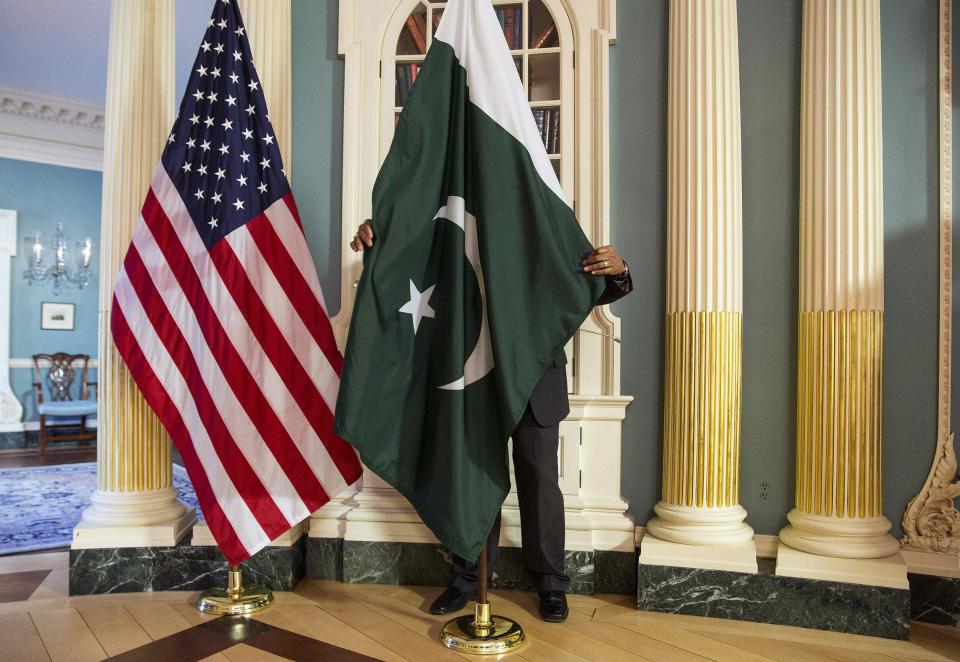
473	286
218	313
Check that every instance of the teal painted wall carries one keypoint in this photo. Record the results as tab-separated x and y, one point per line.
44	195
318	131
909	31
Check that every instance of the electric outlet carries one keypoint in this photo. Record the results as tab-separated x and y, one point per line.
764	490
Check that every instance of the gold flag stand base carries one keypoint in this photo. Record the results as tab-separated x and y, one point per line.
481	633
236	599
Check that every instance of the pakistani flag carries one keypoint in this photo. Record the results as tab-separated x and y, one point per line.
473	287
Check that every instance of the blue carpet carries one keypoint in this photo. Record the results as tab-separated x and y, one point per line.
39	506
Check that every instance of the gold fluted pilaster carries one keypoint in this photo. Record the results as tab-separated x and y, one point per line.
133	449
702	372
269	24
701	449
839	486
839	422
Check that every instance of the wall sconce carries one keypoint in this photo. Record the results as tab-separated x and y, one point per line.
61	274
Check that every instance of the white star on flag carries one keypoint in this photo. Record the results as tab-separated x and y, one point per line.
419	305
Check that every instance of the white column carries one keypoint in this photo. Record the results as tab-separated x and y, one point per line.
11	411
699	520
838	513
135	504
269	24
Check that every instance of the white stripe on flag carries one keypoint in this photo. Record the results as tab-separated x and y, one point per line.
235	417
471	28
249	532
235	325
287	228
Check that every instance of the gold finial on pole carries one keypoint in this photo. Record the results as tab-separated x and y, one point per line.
236	599
482	634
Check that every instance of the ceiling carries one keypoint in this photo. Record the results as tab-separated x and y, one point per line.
59	47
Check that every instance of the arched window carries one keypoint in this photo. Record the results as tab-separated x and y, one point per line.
535	40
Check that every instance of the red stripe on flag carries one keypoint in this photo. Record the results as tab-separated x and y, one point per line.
158	399
296	287
286	362
241	474
241	381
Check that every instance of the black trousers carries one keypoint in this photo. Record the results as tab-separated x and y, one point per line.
541	510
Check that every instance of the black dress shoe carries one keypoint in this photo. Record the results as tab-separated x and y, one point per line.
553	606
451	600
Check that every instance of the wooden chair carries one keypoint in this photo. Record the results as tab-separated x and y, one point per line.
60	378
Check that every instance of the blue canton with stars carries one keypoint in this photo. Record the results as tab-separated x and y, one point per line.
222	154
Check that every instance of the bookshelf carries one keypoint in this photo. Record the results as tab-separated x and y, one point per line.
532	35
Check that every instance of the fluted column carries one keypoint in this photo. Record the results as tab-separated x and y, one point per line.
838	509
268	24
700	502
135	503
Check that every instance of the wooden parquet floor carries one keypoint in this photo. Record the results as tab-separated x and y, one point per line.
329	621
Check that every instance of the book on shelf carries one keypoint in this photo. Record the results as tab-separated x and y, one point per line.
548	125
554	147
545	131
547	38
406	76
538	117
417	29
511	21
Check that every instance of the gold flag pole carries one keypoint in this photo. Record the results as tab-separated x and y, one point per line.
236	599
481	633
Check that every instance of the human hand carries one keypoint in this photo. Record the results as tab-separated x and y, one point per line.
604	261
364	237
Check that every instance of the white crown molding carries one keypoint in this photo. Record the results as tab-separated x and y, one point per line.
48	129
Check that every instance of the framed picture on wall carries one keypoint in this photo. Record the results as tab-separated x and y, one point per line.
56	316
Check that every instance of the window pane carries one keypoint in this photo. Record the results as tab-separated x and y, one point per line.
511	21
543	30
413	35
437	15
544	76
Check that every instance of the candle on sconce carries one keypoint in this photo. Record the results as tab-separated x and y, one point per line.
37	249
86	252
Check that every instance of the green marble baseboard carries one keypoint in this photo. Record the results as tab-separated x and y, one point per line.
769	598
424	564
180	568
935	599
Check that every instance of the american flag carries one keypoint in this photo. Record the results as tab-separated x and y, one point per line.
218	312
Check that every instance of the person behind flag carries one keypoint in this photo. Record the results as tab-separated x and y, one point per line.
465	304
536	441
218	314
